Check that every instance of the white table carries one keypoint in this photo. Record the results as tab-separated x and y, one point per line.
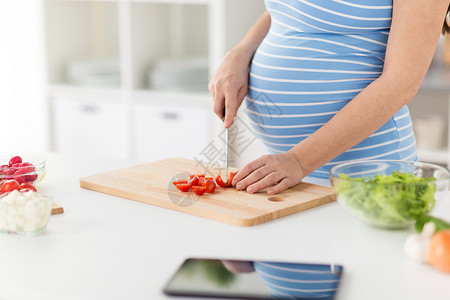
105	247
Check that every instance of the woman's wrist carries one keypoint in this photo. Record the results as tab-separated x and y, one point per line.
241	53
304	172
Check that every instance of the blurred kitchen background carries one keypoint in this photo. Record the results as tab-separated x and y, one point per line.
128	79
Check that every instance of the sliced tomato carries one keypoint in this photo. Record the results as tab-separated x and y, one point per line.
210	186
202	181
175	183
230	178
220	182
199	175
9	186
25	186
194	180
184	187
212	178
199	190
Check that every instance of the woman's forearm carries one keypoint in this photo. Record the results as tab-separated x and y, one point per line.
361	117
251	41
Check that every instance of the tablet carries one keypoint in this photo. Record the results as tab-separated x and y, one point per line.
244	279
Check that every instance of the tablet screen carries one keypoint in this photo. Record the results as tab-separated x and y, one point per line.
242	279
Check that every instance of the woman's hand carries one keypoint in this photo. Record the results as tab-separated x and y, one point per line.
282	170
229	85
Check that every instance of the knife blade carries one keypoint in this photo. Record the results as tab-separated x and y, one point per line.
226	147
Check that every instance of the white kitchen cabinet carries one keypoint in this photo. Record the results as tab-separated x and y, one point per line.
88	127
164	131
137	34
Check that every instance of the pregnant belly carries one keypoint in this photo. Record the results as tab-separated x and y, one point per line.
297	85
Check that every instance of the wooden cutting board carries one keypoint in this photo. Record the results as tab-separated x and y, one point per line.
152	183
56	209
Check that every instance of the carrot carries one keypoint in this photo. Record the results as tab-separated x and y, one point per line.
439	251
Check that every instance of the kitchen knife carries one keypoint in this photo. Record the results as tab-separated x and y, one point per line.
226	146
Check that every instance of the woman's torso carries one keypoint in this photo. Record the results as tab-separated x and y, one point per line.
317	56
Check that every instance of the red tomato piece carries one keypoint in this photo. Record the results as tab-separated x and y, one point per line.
230	178
210	186
199	190
9	186
184	187
220	182
199	175
194	180
27	187
202	181
175	183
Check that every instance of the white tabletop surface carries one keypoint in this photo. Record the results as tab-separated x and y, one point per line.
105	247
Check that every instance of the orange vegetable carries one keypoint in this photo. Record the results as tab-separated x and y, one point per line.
230	179
439	251
175	183
202	181
210	186
184	187
220	182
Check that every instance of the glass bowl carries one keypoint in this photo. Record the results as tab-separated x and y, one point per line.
25	213
389	194
33	173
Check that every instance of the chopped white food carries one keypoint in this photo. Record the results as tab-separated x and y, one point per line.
24	212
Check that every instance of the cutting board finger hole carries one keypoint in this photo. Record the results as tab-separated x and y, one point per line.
275	199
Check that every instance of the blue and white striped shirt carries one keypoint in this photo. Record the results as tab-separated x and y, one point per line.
317	56
300	281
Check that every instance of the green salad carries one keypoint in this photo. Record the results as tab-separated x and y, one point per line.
395	199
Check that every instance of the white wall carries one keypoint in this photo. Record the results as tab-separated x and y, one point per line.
23	113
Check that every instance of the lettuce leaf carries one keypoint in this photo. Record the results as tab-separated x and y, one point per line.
395	199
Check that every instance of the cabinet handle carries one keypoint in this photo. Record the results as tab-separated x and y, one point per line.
89	109
170	116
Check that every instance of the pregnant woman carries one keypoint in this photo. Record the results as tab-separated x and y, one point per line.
328	81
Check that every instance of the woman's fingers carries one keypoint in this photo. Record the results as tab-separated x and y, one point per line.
253	177
231	102
284	184
243	91
249	168
219	104
226	96
228	85
268	180
281	171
